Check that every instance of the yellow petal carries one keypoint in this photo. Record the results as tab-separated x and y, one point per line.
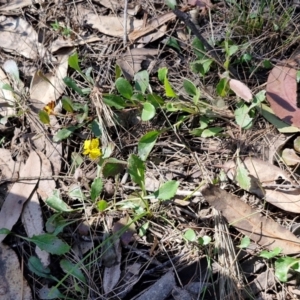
95	153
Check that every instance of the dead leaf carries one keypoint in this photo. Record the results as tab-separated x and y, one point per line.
130	62
126	237
112	270
240	89
15	4
110	25
112	4
46	88
265	175
16	35
32	213
9	168
260	229
62	42
265	172
33	223
290	157
19	193
140	30
161	288
7	97
12	283
160	32
282	94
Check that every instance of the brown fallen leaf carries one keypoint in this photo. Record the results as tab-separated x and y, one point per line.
20	193
264	177
32	213
12	283
46	88
7	97
240	89
290	157
130	61
15	4
140	30
16	35
282	94
262	230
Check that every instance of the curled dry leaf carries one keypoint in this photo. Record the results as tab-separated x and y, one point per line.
240	89
282	94
13	285
262	230
19	36
19	193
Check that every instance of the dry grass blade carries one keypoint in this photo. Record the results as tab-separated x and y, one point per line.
230	279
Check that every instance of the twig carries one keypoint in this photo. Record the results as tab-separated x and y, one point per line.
186	19
125	22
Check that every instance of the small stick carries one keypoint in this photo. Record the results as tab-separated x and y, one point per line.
125	22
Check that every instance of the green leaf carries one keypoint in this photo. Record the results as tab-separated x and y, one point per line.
64	133
69	82
96	129
242	176
67	104
204	240
242	116
114	101
298	76
72	269
172	42
143	229
282	266
167	190
232	50
212	131
96	188
246	57
198	45
141	81
201	66
270	254
112	167
171	3
189	87
57	203
118	71
155	100
36	267
168	89
76	193
46	293
148	111
124	88
102	205
4	231
223	87
50	243
162	74
190	235
73	62
56	224
245	242
146	144
44	117
136	170
6	86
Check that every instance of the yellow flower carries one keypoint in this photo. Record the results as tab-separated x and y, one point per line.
91	148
